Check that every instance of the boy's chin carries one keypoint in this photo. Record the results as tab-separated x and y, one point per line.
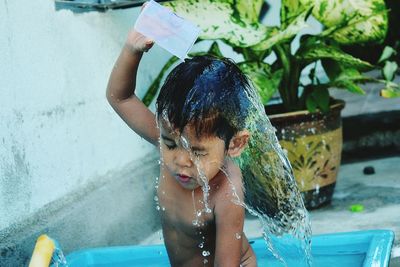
191	185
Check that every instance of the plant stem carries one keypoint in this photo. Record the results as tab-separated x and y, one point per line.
294	80
288	86
245	54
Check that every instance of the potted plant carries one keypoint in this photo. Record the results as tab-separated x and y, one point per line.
308	120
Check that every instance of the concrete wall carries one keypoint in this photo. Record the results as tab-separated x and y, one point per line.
58	135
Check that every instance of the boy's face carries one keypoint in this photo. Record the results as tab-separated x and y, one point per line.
207	153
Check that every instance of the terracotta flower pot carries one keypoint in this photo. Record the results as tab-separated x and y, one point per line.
314	145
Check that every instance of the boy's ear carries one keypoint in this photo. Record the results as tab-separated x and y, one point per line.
238	143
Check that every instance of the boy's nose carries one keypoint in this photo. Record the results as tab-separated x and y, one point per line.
182	159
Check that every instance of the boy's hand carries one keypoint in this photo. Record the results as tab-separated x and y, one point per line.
137	42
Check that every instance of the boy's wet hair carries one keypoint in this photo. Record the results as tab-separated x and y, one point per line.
207	93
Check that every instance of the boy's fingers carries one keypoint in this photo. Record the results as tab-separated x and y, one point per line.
149	42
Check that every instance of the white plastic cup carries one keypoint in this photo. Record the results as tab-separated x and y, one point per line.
167	29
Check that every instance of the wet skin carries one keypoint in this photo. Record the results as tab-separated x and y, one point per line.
219	232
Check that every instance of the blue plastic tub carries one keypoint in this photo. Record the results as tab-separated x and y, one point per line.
363	248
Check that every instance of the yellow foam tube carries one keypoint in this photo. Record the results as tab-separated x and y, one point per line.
43	252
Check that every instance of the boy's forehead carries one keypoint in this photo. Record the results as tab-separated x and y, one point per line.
189	131
168	128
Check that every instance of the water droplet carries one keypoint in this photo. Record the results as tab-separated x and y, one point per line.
201	245
198	213
317	189
163	208
160	235
205	261
238	236
155	198
59	259
157	207
205	253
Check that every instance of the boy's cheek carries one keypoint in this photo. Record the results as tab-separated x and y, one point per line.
165	157
213	161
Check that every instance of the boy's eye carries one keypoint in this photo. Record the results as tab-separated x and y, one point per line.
170	146
199	153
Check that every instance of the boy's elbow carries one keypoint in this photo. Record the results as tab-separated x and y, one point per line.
110	98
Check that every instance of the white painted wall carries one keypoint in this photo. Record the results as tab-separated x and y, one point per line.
57	132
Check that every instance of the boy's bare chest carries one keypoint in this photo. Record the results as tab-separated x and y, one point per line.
187	230
183	208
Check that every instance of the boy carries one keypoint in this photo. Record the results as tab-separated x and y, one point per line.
200	114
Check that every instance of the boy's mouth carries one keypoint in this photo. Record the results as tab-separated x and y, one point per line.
183	178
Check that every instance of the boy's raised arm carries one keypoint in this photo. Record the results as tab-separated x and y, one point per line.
121	88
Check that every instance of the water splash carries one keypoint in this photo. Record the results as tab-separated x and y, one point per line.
205	187
58	259
238	236
271	190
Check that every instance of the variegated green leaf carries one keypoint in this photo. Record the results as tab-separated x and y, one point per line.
249	10
277	36
263	79
214	50
319	51
290	9
217	20
349	78
353	21
251	55
351	87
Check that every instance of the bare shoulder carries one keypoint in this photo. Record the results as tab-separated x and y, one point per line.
230	185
